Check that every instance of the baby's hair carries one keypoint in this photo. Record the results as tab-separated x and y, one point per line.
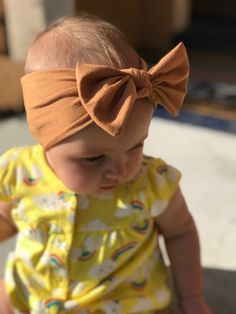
83	39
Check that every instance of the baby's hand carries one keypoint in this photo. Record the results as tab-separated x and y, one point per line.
7	226
195	306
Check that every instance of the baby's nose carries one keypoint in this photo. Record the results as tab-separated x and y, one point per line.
118	169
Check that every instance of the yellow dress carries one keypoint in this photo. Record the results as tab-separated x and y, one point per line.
81	254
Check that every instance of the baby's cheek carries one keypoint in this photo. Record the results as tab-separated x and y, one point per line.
135	164
84	178
73	179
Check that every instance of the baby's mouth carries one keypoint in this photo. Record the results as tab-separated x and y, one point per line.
109	187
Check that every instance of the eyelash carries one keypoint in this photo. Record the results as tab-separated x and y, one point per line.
97	159
94	160
140	145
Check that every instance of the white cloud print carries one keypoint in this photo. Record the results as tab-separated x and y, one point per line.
83	202
124	211
162	295
158	206
172	173
103	269
5	160
50	201
143	304
111	307
97	224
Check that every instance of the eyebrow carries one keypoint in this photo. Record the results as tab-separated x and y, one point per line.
139	142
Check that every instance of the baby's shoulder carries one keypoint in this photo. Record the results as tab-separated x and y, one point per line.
160	182
153	161
20	155
157	166
16	166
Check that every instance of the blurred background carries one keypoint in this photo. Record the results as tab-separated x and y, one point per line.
201	142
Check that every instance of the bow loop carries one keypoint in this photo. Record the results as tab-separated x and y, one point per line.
169	79
105	93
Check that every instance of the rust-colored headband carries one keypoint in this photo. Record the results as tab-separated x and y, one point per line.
61	102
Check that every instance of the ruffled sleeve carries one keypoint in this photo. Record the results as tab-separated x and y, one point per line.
163	181
7	174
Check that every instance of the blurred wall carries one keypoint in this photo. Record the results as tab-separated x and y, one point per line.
3	46
56	8
24	19
149	25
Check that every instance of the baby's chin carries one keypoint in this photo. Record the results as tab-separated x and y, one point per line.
100	192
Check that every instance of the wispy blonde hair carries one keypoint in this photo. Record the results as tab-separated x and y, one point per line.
83	39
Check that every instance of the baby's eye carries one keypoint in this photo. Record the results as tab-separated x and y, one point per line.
94	160
140	145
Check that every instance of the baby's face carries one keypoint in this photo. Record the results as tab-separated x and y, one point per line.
94	162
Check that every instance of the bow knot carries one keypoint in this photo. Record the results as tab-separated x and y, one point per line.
141	80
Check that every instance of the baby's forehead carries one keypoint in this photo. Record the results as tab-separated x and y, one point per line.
45	53
84	41
135	131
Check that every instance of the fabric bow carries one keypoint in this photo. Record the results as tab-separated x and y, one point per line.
61	102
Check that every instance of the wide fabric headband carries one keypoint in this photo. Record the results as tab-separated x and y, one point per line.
61	102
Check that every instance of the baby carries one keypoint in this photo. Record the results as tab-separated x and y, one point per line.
88	205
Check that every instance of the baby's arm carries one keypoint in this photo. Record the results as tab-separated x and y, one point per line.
178	228
7	226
